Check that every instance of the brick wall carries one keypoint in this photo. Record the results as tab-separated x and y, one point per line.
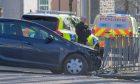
64	5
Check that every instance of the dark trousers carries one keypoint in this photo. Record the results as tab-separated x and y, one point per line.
82	41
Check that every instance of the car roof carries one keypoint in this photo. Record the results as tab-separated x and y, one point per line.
115	15
8	19
19	20
47	14
14	19
41	14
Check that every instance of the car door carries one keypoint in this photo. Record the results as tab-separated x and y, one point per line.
10	46
35	48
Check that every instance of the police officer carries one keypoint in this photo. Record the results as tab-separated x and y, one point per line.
81	31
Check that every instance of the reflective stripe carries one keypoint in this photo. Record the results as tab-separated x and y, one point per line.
105	31
66	36
111	32
102	44
122	32
70	37
73	37
60	23
117	32
92	41
99	32
111	35
127	32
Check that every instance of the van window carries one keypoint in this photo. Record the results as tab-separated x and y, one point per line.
112	22
49	22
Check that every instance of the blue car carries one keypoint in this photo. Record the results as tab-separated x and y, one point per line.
28	44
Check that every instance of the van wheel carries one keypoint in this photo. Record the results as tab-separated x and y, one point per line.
75	64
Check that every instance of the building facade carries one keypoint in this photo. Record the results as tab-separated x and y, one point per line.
131	7
89	8
16	8
63	5
107	6
94	9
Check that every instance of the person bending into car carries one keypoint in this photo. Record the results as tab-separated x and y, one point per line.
81	31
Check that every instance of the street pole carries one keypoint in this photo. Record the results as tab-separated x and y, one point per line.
88	12
70	5
59	5
126	6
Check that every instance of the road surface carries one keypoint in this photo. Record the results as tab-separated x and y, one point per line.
14	75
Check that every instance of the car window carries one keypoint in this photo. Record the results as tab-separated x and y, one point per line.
49	22
67	23
33	31
8	28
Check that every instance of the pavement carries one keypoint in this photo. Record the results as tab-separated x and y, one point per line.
121	75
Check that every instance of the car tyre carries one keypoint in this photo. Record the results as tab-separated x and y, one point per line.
76	64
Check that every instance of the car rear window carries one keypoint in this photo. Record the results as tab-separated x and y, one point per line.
49	22
112	22
8	28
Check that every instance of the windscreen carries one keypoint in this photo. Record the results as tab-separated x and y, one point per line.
68	24
112	22
49	22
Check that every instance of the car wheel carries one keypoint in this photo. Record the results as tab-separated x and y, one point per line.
76	64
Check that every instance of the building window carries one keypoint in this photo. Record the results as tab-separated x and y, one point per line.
1	12
43	4
138	10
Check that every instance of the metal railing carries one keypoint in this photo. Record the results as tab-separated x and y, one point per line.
122	53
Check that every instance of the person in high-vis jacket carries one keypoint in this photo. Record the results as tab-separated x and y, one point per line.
81	31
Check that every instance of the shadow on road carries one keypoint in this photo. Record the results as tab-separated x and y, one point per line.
14	71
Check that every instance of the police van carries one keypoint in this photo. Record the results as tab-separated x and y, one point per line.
112	25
